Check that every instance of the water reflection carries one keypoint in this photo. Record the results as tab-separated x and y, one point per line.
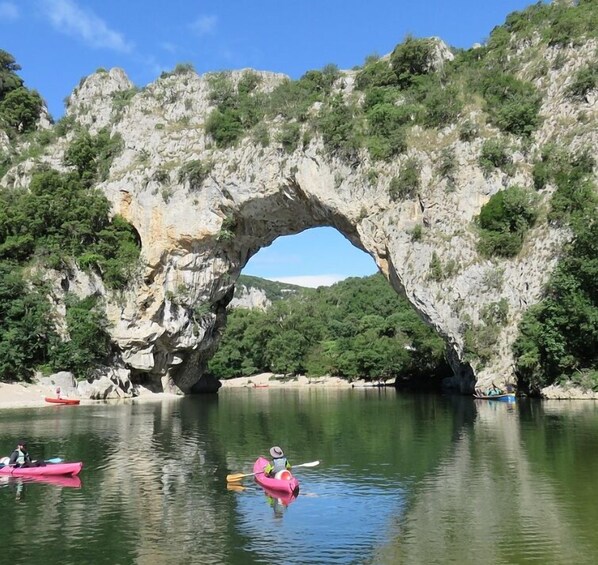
402	479
488	503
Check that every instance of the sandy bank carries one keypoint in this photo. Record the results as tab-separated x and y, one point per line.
272	380
20	395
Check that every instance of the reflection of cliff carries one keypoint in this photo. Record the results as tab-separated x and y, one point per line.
148	491
485	504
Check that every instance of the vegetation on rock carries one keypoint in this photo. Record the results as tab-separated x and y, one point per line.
558	341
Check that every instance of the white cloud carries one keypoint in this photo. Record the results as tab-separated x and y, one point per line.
204	25
69	18
8	12
312	281
170	47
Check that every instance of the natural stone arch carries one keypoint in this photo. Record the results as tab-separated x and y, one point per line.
196	237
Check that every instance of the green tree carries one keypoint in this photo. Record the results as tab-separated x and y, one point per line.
20	109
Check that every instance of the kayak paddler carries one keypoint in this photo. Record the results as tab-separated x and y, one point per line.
279	463
20	456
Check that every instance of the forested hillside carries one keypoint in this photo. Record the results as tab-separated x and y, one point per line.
358	328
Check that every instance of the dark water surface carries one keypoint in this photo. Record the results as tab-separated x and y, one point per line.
402	479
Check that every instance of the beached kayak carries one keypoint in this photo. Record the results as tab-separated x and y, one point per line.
50	469
55	400
290	485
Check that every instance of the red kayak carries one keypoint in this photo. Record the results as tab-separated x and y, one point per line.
288	485
50	469
55	400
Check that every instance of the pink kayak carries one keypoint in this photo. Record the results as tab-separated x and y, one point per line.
50	469
289	485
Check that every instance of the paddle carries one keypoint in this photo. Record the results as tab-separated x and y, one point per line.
53	460
238	476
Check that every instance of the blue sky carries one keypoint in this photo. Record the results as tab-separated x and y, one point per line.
57	42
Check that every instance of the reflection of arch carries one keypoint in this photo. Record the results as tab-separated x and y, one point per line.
485	504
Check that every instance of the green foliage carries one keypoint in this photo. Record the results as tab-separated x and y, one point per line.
494	154
468	131
20	109
572	175
227	229
273	290
224	126
337	124
89	341
410	59
26	326
417	233
289	136
359	328
407	183
122	98
387	128
504	221
183	68
512	104
584	82
552	159
447	164
238	109
9	80
57	218
435	269
442	104
195	173
92	156
558	339
64	125
376	74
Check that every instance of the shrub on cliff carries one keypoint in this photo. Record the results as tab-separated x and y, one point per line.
410	59
504	220
513	105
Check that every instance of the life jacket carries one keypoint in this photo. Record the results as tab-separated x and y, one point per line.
22	457
279	464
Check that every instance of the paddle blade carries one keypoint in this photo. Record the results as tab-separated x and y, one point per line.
235	477
310	464
54	460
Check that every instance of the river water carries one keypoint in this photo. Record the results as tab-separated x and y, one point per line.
402	479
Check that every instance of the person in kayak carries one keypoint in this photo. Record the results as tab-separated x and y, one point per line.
20	456
279	463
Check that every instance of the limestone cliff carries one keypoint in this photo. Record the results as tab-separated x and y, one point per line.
197	235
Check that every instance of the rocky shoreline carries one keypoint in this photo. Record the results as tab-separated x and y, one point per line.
31	395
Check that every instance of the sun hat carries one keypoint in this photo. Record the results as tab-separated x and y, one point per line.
276	452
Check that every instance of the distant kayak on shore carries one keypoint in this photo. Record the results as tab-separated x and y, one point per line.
54	400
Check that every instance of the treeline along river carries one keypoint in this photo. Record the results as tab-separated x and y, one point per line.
402	479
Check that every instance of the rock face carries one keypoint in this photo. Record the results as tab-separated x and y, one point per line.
197	237
250	298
